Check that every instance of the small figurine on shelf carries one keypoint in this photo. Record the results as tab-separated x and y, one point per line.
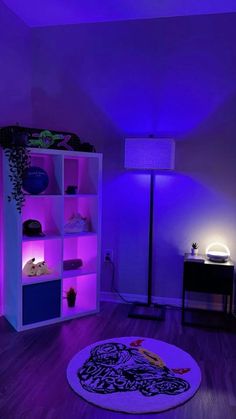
71	297
35	269
29	268
41	268
194	248
71	190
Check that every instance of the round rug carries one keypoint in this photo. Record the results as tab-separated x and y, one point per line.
134	375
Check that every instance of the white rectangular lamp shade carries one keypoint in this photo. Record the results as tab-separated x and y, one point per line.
150	153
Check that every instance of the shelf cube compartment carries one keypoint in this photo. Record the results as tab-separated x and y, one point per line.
81	172
86	206
86	295
52	164
49	251
85	248
41	302
46	210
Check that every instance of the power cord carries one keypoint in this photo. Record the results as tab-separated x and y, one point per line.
113	288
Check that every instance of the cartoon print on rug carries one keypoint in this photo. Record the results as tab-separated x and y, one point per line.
114	367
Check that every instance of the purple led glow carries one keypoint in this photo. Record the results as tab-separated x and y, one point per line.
54	12
51	165
46	210
86	297
84	247
149	153
33	250
49	251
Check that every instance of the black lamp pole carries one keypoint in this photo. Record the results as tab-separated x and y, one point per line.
149	310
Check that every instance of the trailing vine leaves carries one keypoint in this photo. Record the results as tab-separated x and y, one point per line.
14	141
19	160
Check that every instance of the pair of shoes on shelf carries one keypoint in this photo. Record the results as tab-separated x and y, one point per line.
76	224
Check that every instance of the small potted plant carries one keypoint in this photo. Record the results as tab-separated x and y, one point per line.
194	248
71	297
14	145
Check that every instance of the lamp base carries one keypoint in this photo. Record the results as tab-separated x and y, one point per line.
147	311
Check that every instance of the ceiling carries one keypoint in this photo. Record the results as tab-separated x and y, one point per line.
62	12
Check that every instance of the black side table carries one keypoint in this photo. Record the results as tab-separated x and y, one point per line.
212	278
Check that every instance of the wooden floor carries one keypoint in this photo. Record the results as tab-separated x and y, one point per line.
33	366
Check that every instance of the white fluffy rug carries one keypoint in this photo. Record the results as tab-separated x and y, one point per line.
134	375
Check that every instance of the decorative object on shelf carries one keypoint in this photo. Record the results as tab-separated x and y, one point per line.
72	264
44	138
35	269
76	224
150	377
16	141
47	139
87	147
194	248
29	268
41	268
13	143
71	297
217	252
35	180
71	189
32	228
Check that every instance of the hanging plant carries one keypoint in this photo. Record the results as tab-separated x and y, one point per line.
14	146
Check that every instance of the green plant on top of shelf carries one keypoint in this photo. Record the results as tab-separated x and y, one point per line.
195	245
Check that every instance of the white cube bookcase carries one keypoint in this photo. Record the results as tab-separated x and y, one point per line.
30	302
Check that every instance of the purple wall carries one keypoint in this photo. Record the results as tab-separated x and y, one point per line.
173	77
167	77
15	80
54	12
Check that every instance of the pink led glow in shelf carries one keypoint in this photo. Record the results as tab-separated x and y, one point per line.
32	301
83	234
86	298
33	250
86	206
80	272
46	210
53	166
48	236
81	172
49	251
84	248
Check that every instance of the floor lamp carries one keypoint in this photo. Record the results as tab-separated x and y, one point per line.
149	154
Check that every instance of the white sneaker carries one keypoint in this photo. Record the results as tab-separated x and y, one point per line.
76	224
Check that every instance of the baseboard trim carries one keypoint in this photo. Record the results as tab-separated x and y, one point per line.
176	302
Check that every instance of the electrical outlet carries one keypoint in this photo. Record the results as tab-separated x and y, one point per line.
108	255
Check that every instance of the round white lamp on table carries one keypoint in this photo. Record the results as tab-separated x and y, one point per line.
215	255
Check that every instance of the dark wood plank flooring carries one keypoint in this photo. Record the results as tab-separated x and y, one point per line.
33	366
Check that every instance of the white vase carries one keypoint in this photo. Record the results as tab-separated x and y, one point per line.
194	251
